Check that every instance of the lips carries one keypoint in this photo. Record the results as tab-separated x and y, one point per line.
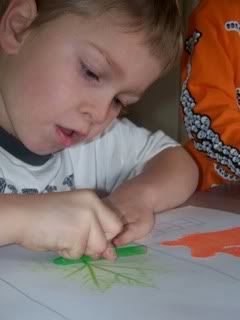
68	137
67	132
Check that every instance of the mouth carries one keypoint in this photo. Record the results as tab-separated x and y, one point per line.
68	137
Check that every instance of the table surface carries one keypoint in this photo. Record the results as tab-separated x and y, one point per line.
226	198
184	288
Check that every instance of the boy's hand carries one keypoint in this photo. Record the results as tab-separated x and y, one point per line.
136	214
71	223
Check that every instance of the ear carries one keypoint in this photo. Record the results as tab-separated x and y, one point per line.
15	21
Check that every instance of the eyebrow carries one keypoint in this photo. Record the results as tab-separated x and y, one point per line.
107	57
112	64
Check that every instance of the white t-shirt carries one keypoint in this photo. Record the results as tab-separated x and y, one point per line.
103	164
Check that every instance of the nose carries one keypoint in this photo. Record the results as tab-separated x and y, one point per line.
99	110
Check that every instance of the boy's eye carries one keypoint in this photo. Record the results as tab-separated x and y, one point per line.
88	73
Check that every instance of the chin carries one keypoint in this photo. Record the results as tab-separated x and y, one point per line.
39	147
44	152
41	150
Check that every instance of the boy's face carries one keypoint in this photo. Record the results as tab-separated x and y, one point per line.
70	79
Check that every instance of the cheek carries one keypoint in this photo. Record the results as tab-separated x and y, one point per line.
113	114
47	92
98	129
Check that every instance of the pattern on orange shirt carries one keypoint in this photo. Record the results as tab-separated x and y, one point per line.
210	97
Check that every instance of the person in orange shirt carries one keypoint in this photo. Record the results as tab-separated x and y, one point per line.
210	97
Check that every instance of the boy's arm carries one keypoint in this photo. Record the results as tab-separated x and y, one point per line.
209	96
10	220
167	180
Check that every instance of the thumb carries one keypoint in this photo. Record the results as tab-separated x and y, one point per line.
133	231
109	252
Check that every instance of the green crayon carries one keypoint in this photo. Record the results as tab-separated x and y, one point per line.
120	252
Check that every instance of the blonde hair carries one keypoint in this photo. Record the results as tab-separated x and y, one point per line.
160	20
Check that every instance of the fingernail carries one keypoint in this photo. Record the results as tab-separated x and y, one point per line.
111	254
116	242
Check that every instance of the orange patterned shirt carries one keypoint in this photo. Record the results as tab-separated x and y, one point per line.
210	97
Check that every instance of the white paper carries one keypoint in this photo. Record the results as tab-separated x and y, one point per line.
166	283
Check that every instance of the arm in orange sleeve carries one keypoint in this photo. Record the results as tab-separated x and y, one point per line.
208	99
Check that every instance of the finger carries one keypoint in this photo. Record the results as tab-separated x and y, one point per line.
92	254
110	205
60	253
110	221
134	231
75	252
97	241
72	253
77	248
66	254
109	253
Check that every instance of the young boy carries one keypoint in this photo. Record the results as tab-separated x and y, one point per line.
211	91
68	68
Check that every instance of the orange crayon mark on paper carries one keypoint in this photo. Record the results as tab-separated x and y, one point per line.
204	245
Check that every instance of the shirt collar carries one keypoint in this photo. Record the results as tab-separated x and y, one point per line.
17	149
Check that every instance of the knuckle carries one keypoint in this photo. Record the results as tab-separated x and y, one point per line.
117	227
89	195
75	253
100	247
